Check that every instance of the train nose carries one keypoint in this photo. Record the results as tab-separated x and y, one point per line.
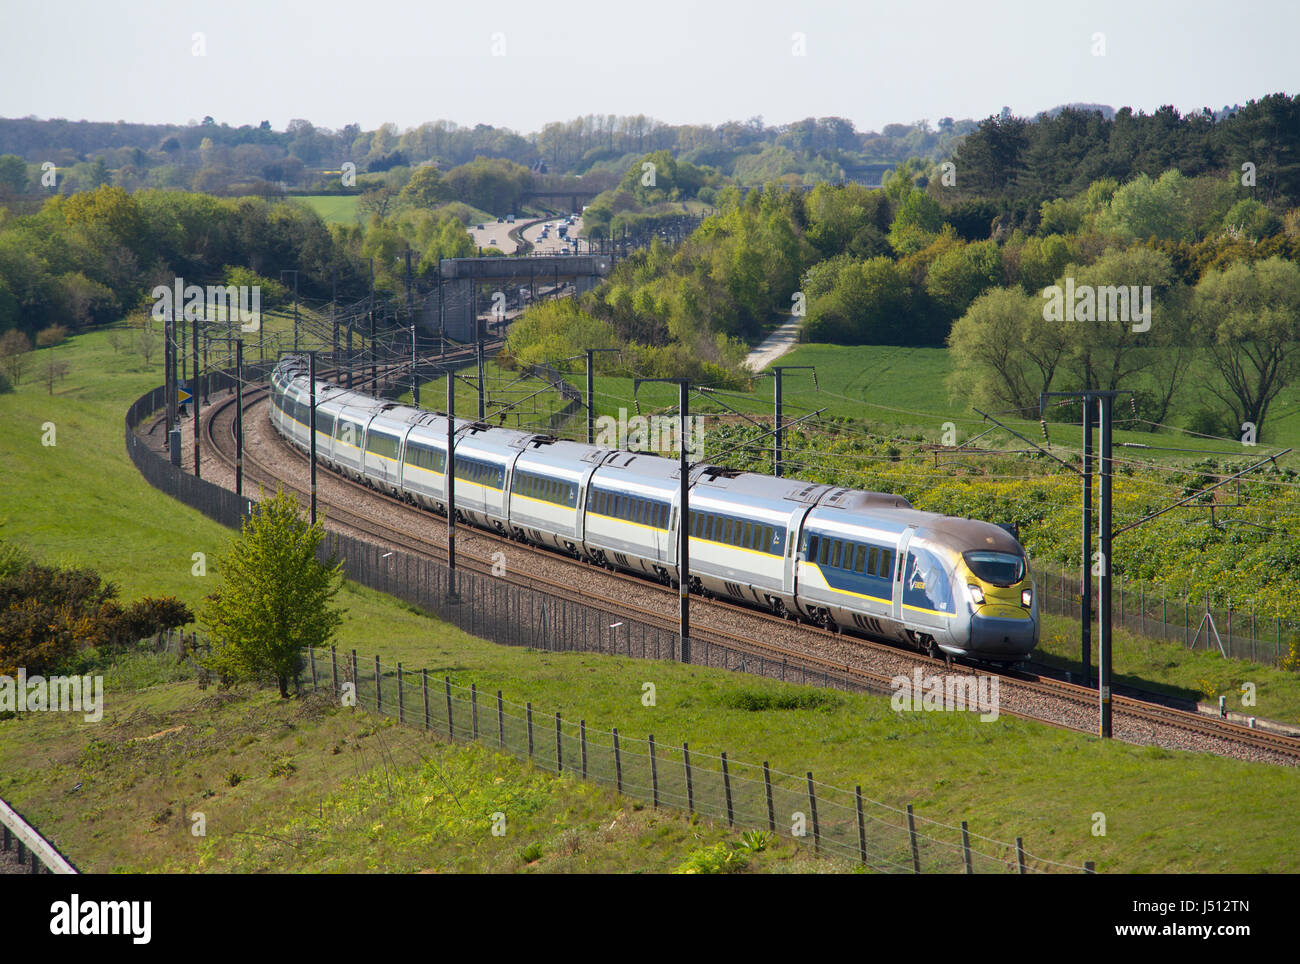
1003	639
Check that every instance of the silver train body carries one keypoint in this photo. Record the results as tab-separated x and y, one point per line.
860	561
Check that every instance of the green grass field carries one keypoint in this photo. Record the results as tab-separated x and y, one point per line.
332	208
305	785
81	501
904	389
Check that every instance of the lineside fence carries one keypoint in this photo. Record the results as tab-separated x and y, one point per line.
837	822
1197	624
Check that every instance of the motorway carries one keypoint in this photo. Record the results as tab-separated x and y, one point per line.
496	234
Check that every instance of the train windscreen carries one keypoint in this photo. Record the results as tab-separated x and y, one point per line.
999	568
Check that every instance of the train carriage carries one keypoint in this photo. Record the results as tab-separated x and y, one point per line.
845	565
742	524
381	450
424	461
548	491
484	458
350	423
630	512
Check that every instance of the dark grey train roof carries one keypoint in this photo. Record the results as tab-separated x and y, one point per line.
975	534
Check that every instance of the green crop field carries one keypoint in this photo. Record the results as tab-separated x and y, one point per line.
321	788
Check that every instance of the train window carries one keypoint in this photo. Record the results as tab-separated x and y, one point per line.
769	538
380	444
887	564
835	553
810	547
663	515
860	562
824	554
748	538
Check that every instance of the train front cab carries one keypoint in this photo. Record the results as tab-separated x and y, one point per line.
1003	602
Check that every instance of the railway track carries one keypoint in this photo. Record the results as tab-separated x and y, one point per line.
1057	702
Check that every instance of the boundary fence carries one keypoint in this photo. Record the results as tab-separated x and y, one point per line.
1197	624
836	821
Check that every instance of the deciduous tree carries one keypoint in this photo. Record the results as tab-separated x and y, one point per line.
275	597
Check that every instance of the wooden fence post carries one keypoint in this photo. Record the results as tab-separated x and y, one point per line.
424	688
916	844
1020	854
379	695
690	790
473	703
401	707
582	736
334	669
862	826
812	804
451	732
618	764
726	786
965	847
767	786
501	721
311	663
529	713
559	747
654	772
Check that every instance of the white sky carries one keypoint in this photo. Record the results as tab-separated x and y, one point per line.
335	62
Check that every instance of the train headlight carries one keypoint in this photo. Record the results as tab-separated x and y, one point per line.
976	594
1027	598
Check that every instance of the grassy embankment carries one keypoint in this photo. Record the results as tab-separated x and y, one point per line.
320	788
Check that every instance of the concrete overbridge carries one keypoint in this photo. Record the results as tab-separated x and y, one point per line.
468	287
571	201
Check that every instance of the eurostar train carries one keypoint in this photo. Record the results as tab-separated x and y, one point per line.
841	558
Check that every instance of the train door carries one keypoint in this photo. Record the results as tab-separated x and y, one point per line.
900	567
790	566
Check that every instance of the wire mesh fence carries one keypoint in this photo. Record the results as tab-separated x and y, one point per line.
1157	613
834	821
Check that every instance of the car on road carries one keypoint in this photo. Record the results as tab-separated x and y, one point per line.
480	228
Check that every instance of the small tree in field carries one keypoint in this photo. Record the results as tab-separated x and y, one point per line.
275	596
